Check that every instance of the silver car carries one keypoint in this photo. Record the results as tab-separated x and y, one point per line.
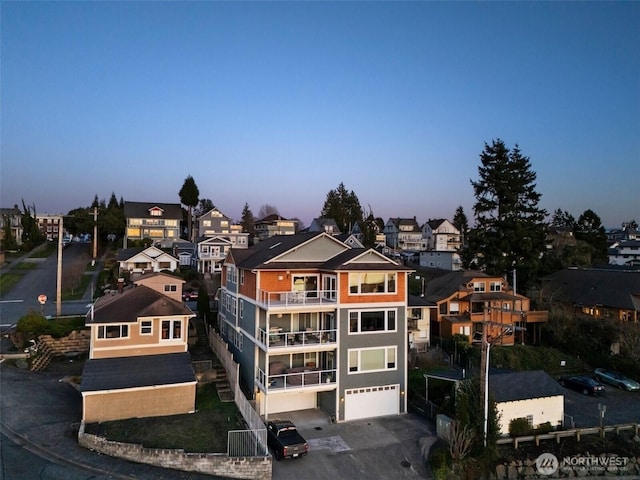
616	379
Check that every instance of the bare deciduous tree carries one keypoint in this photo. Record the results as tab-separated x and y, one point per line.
460	440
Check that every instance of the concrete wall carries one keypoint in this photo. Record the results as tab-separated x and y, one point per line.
547	409
218	464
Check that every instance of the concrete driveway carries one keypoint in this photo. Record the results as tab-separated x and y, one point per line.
382	448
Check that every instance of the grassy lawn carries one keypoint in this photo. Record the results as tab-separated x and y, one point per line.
202	432
8	280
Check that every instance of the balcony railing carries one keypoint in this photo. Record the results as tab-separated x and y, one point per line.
296	299
297	378
279	338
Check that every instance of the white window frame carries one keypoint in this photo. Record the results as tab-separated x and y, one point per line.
170	288
123	331
390	353
479	287
172	324
495	286
385	312
388	277
146	327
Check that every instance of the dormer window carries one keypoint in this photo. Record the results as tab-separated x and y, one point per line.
155	212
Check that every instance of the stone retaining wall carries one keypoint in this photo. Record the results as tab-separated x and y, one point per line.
250	468
76	341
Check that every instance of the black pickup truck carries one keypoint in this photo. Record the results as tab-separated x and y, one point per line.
284	440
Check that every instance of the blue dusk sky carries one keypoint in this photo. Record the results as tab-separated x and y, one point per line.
278	102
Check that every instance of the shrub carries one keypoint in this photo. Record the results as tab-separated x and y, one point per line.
545	427
519	427
32	325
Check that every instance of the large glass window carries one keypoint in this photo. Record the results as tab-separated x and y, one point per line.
113	331
171	329
372	359
372	282
369	321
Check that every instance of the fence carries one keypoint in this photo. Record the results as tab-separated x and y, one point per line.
253	442
576	432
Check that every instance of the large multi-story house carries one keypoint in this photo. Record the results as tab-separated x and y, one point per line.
468	301
160	222
216	224
441	236
49	224
273	225
12	217
404	234
139	364
314	323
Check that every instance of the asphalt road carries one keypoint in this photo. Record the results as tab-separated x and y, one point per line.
23	297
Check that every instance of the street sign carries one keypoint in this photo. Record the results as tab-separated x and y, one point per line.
42	299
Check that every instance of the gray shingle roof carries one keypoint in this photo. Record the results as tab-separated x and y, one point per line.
590	287
141	210
509	387
142	371
135	302
446	285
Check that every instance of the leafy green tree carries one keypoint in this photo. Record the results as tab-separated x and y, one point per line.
589	229
189	194
509	230
342	206
111	219
248	221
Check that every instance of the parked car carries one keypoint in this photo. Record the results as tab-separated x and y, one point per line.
284	440
190	295
616	379
582	383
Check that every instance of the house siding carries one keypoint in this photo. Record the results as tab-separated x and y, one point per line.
134	403
547	409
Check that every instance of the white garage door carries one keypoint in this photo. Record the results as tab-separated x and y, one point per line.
371	402
290	402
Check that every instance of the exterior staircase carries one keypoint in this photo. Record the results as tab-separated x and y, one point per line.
222	385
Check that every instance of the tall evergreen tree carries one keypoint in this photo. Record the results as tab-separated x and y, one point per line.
509	224
248	221
343	207
589	229
189	194
562	219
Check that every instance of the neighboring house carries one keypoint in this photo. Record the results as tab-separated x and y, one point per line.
48	224
467	300
450	261
619	234
139	364
606	293
624	252
160	222
314	323
420	311
404	234
215	224
327	225
185	252
441	236
14	217
210	253
533	395
145	260
350	239
559	238
273	225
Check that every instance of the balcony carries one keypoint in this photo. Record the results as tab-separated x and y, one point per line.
298	378
296	299
278	337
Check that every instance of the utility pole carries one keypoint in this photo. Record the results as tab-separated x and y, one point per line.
59	270
484	372
95	234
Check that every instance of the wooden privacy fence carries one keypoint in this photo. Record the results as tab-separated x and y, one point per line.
575	432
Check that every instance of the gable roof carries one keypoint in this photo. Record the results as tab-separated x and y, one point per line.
142	371
133	303
446	285
141	210
589	287
274	217
280	253
510	387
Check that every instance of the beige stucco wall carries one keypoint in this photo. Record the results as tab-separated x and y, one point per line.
547	409
139	402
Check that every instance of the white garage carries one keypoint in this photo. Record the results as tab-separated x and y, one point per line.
371	402
288	402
